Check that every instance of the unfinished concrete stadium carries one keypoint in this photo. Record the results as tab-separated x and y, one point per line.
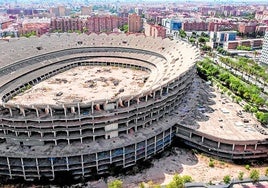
81	103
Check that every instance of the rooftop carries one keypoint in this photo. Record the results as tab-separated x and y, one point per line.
208	111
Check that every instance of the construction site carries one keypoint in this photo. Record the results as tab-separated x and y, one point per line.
86	104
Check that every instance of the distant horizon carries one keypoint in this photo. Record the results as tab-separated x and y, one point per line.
135	1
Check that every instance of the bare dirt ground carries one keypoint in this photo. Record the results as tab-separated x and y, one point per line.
84	84
184	162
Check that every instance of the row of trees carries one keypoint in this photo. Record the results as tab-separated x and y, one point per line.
248	92
177	182
222	51
29	34
244	48
254	176
247	66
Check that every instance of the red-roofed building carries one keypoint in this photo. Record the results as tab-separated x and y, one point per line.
154	30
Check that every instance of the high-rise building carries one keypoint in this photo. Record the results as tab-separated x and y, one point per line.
59	11
134	23
138	11
264	55
62	11
91	24
86	10
171	25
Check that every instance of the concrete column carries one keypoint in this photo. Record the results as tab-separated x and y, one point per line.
78	109
37	167
23	170
117	106
245	147
9	169
111	159
82	164
37	113
256	145
52	168
51	113
73	110
97	162
163	139
155	145
219	144
191	134
202	139
67	163
145	149
135	152
167	90
154	95
146	98
92	107
128	103
233	147
22	111
65	111
46	111
170	133
161	92
124	157
10	111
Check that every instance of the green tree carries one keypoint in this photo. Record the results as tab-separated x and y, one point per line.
187	179
211	163
191	40
115	184
201	40
182	33
179	181
254	175
124	28
141	185
241	176
227	179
